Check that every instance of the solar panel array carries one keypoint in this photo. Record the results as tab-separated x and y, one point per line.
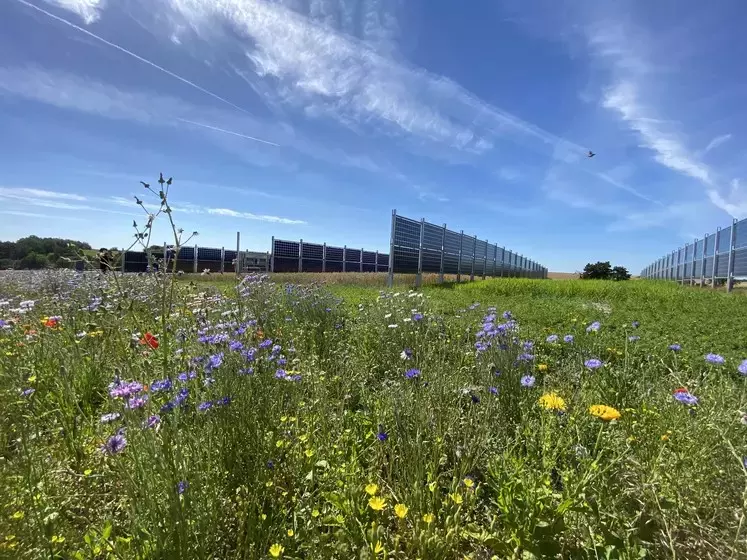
718	256
301	256
419	246
191	259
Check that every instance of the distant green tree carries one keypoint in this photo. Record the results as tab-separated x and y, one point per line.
33	261
620	273
597	271
46	251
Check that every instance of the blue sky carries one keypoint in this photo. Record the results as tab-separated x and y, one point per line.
314	118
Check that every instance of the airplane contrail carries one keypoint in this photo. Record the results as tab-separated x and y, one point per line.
133	55
229	132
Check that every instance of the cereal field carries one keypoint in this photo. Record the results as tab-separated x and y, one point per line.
154	417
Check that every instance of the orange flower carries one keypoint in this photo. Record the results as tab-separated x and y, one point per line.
150	340
260	334
51	323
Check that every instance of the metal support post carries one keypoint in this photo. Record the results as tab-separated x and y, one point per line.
703	261
419	276
300	256
692	264
495	259
376	265
238	267
443	248
267	262
472	270
485	261
715	257
222	260
361	263
272	255
730	266
344	258
324	257
461	248
390	275
503	260
194	261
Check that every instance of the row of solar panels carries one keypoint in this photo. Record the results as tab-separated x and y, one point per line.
191	259
418	246
300	256
710	257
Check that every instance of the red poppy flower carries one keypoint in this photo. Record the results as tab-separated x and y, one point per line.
50	322
681	390
150	340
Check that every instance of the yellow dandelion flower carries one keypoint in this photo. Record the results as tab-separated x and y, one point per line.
276	550
665	437
604	412
379	548
376	503
552	401
309	453
432	486
315	513
542	367
371	489
291	532
469	482
456	498
400	510
429	518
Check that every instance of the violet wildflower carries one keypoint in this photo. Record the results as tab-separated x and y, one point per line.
594	327
525	357
162	385
552	339
593	363
494	390
714	359
412	373
507	315
235	345
417	317
281	374
406	354
265	343
115	444
527	381
742	368
568	339
223	401
685	397
137	402
247	371
28	392
528	345
635	324
181	487
152	421
203	406
295	377
675	347
382	435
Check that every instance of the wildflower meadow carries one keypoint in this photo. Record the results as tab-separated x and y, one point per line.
156	416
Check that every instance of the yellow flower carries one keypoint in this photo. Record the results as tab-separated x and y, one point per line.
542	367
371	489
309	453
376	503
379	548
552	401
429	518
665	437
469	482
456	498
432	486
400	510
290	532
18	515
276	550
604	412
315	513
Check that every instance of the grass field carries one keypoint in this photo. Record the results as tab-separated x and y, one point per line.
145	418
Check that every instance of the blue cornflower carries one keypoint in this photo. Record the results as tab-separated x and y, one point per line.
494	390
568	339
382	435
214	361
528	381
281	374
223	401
162	385
115	444
247	371
412	373
595	326
553	338
481	346
270	464
265	343
109	417
152	421
125	389
28	392
137	402
635	324
528	345
593	363
507	315
181	396
475	398
406	354
525	357
685	397
675	347
295	377
417	317
742	368
277	348
235	345
203	406
181	487
249	354
714	359
282	361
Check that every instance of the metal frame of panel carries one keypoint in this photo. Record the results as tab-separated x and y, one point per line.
719	256
419	246
301	256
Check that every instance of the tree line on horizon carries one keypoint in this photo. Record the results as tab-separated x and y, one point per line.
33	253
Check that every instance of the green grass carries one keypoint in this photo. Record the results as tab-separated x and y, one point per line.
478	467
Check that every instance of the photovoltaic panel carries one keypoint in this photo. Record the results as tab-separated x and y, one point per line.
740	261
285	249
353	255
724	240
334	254
741	236
313	251
432	237
369	257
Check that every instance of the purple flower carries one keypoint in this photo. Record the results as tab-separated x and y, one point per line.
203	406
685	397
568	338
296	377
507	315
593	363
714	359
249	354
152	421
115	444
163	385
137	402
109	417
181	487
595	326
281	374
214	362
235	345
247	371
417	317
526	357
277	348
282	361
382	435
265	343
494	390
223	401
528	345
527	381
28	392
742	368
675	347
553	338
412	373
481	346
125	389
635	324
406	354
633	338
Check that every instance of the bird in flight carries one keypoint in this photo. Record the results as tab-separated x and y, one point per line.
591	154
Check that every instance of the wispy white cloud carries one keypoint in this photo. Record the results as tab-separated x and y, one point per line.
25	192
40	216
88	10
716	142
249	216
